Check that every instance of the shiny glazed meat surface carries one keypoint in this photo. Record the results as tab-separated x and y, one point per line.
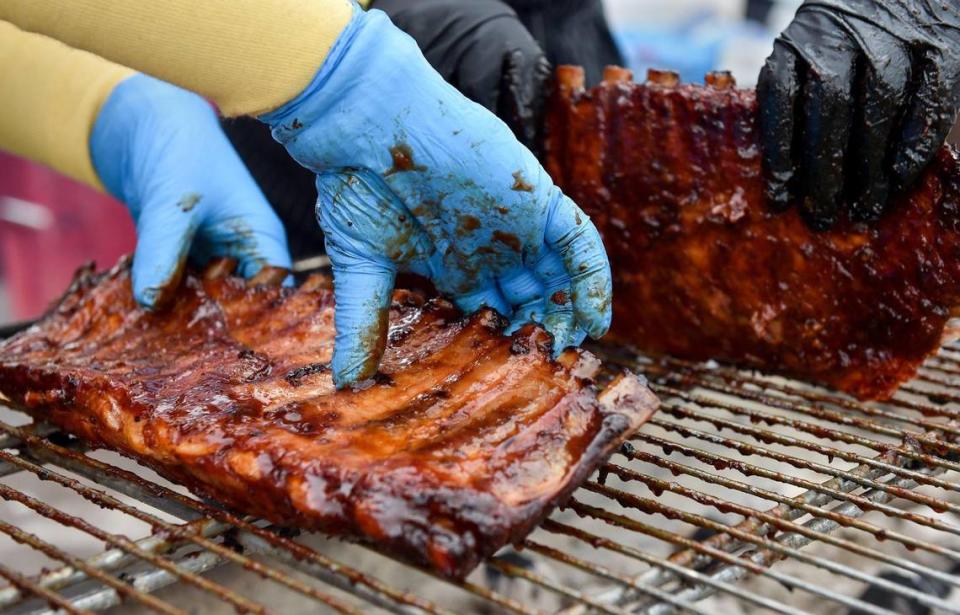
464	441
671	175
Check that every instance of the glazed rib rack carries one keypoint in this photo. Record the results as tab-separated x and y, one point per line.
746	493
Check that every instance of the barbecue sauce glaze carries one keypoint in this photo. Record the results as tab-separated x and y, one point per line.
704	269
461	444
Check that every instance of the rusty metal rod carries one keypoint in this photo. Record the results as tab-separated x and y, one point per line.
656	484
108	561
742	378
814	396
103	499
827	415
99	598
11	441
691	576
306	559
770	437
715	554
720	462
813	429
691	557
946	355
915	390
605	573
122	542
498	599
522	573
935	378
478	590
53	598
635	362
650	506
119	586
938	505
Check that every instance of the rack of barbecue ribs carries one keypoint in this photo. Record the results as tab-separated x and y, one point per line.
703	269
463	442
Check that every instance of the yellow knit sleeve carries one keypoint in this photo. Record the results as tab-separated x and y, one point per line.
248	56
51	96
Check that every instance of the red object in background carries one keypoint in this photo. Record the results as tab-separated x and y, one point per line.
49	226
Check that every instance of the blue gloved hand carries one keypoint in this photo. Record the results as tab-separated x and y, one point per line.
412	176
160	150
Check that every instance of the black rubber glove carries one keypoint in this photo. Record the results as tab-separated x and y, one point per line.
855	100
481	48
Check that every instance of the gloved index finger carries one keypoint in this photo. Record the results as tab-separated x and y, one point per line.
928	120
883	86
777	90
827	56
828	110
362	289
558	317
369	234
570	232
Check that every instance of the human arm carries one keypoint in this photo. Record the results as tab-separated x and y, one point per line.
152	145
412	176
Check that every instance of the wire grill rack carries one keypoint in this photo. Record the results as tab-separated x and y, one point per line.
745	493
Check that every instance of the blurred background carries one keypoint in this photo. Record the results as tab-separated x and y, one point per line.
50	225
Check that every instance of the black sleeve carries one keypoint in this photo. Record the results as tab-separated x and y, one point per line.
571	32
290	188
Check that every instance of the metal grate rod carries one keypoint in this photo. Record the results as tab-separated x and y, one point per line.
797	541
301	556
714	554
746	449
692	373
693	556
130	547
522	573
605	573
726	376
174	531
52	598
116	584
780	423
846	419
811	428
770	437
689	574
630	500
837	494
774	520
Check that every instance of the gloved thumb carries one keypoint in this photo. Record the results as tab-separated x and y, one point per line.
363	286
165	232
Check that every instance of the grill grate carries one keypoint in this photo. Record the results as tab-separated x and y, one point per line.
744	493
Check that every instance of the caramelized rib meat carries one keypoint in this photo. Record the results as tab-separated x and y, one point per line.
704	269
464	441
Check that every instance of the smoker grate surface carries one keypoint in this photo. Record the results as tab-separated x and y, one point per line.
746	493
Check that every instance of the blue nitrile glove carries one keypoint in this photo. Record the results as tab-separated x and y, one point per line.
161	151
412	176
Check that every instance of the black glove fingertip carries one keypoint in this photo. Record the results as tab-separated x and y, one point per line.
931	115
777	90
522	95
